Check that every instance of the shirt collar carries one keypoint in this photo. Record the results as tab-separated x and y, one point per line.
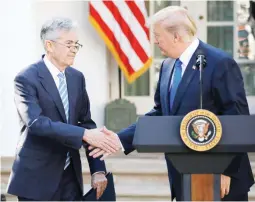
51	67
187	54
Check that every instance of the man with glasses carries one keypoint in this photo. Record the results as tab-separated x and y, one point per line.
54	111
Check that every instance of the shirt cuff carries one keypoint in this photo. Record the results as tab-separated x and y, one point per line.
102	172
122	148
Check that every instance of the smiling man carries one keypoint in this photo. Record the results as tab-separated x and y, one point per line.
54	111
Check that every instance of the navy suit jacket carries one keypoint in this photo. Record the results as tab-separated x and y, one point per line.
223	94
45	135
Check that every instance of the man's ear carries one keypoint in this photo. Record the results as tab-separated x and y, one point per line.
48	45
177	37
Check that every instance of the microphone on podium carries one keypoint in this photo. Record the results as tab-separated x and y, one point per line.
200	64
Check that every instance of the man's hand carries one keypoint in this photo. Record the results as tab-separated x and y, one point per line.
96	152
225	185
98	139
101	151
99	182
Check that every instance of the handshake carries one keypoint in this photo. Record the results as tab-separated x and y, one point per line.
102	142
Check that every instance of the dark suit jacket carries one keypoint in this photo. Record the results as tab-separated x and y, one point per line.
223	94
45	136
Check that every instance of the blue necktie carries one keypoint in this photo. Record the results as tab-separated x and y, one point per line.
176	81
62	88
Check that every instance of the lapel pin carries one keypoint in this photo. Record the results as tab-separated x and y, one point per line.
194	67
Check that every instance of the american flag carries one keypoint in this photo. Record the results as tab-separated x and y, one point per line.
122	25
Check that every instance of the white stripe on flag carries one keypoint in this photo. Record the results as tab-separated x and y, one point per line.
124	43
134	25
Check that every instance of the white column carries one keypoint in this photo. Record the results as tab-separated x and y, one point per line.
17	51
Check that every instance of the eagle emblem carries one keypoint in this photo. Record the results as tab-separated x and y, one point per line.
200	130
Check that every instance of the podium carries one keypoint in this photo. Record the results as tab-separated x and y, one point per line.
200	170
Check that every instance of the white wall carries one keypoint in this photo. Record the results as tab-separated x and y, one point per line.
17	51
24	47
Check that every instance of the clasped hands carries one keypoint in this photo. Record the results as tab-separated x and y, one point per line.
103	142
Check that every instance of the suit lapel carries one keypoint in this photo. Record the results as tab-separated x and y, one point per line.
71	90
50	86
186	79
165	83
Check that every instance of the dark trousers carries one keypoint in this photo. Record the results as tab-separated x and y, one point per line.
243	197
68	189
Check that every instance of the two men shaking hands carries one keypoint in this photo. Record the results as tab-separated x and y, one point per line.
103	142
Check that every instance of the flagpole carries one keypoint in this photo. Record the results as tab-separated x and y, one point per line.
120	83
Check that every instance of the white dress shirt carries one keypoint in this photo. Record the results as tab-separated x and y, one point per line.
53	70
186	56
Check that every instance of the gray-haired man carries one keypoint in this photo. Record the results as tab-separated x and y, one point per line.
54	111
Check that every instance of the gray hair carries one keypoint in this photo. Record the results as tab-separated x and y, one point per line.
176	18
50	29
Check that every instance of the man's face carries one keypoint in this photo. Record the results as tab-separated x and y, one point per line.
64	48
165	41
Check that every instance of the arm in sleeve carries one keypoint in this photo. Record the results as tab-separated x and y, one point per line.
85	121
126	135
30	112
230	99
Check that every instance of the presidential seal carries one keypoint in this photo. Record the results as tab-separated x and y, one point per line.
201	130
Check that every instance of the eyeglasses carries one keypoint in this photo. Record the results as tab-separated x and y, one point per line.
77	46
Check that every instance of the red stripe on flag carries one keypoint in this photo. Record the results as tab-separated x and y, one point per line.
127	31
139	16
112	38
